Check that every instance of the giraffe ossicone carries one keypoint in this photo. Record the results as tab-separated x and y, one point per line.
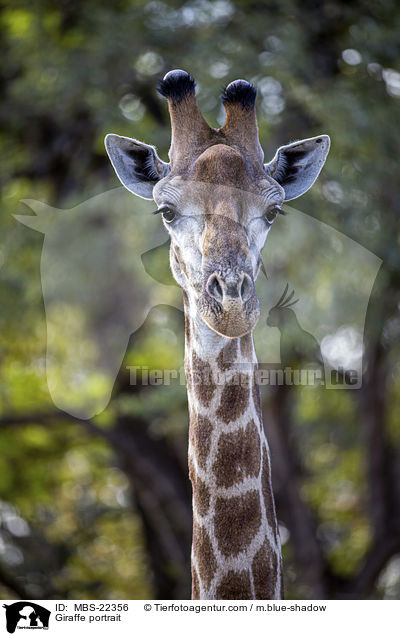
218	200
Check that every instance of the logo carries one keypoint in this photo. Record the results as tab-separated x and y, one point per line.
26	615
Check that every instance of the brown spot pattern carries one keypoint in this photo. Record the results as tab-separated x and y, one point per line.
236	522
188	376
256	395
228	355
178	258
203	550
187	321
234	400
202	380
200	436
201	494
195	585
267	492
234	586
264	572
238	456
246	348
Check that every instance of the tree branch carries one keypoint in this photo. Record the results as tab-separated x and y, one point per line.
291	506
12	584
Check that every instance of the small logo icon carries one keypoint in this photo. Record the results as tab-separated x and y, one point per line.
298	347
26	615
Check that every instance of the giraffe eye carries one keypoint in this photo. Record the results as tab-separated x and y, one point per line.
272	213
167	214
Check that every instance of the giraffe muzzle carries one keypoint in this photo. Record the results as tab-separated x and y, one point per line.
229	304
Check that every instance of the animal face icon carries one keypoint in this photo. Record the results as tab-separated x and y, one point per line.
28	614
25	615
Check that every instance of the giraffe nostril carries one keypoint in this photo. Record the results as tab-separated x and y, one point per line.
246	288
214	288
222	288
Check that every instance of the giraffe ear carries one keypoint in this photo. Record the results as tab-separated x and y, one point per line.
296	166
137	165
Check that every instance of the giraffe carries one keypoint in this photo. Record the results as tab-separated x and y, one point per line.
218	201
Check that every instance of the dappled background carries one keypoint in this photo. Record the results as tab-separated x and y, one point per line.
100	508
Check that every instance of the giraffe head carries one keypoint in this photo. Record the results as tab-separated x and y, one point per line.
217	198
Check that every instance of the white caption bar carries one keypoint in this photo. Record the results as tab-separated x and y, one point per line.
138	617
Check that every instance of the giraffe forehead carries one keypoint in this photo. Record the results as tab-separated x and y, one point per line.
221	164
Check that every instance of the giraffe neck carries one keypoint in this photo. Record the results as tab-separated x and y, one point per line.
236	550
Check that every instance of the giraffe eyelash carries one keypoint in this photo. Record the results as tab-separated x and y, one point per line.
273	211
163	208
168	213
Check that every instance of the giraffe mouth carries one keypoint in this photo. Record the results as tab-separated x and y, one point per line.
232	319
